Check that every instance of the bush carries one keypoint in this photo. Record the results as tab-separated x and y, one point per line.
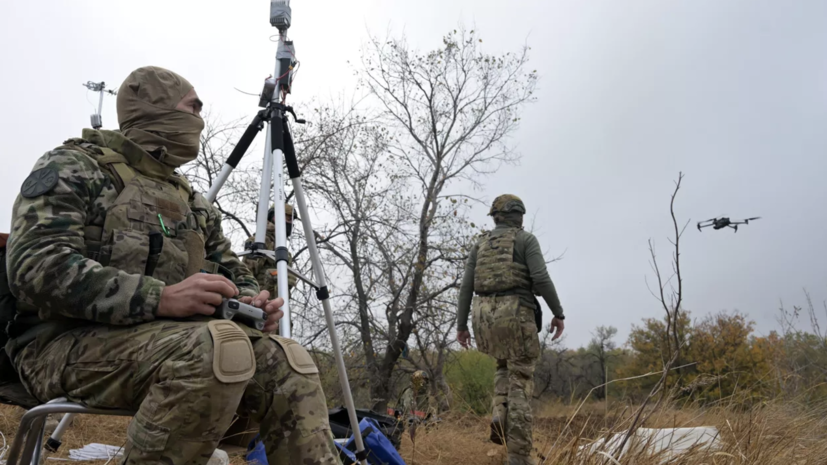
471	376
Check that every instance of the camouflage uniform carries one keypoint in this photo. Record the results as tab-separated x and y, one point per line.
415	397
87	327
264	269
505	268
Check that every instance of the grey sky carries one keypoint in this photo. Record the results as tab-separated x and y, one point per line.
732	93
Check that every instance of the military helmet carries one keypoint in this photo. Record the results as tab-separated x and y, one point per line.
507	203
419	378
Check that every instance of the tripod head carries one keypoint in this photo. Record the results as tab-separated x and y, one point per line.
267	102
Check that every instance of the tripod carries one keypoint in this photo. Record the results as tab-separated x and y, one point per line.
279	151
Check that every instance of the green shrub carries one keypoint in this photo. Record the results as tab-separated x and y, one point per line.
471	377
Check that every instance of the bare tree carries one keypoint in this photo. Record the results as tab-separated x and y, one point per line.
370	246
804	358
601	348
671	299
449	112
554	373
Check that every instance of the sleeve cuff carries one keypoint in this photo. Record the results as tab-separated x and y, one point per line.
247	292
151	290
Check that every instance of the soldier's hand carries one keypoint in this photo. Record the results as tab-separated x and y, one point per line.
271	307
464	338
559	325
197	295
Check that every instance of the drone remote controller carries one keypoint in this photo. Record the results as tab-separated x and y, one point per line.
233	309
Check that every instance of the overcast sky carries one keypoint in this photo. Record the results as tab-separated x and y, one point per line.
733	93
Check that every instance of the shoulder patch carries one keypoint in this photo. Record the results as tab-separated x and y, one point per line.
39	182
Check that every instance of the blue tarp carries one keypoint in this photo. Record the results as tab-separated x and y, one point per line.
378	446
255	452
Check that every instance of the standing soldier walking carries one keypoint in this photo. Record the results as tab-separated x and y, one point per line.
505	269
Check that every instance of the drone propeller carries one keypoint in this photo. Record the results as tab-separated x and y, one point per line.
705	223
756	218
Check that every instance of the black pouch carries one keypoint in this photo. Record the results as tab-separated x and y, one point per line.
538	315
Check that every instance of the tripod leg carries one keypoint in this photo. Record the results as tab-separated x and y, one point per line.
323	295
278	137
238	152
54	441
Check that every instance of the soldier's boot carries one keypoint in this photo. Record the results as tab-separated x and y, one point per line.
285	397
499	421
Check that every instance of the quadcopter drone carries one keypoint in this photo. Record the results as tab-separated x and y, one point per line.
721	223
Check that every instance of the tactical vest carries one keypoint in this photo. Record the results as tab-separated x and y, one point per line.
496	272
147	207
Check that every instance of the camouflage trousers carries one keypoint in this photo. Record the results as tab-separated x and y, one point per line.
504	328
164	371
513	388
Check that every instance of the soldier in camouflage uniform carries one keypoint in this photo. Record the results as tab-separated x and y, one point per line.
505	269
415	397
116	265
264	269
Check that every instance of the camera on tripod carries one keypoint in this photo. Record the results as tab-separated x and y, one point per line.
280	14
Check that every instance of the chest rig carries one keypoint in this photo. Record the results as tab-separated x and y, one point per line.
154	227
496	272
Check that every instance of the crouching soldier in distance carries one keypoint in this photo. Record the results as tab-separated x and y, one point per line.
263	268
505	269
114	263
415	403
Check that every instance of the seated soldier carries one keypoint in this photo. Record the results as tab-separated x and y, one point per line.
113	261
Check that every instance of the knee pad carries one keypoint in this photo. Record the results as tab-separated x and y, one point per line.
233	357
297	356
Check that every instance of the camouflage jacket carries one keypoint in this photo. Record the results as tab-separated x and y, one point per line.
264	269
526	252
417	404
49	268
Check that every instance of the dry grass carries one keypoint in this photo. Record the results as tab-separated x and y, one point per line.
773	433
